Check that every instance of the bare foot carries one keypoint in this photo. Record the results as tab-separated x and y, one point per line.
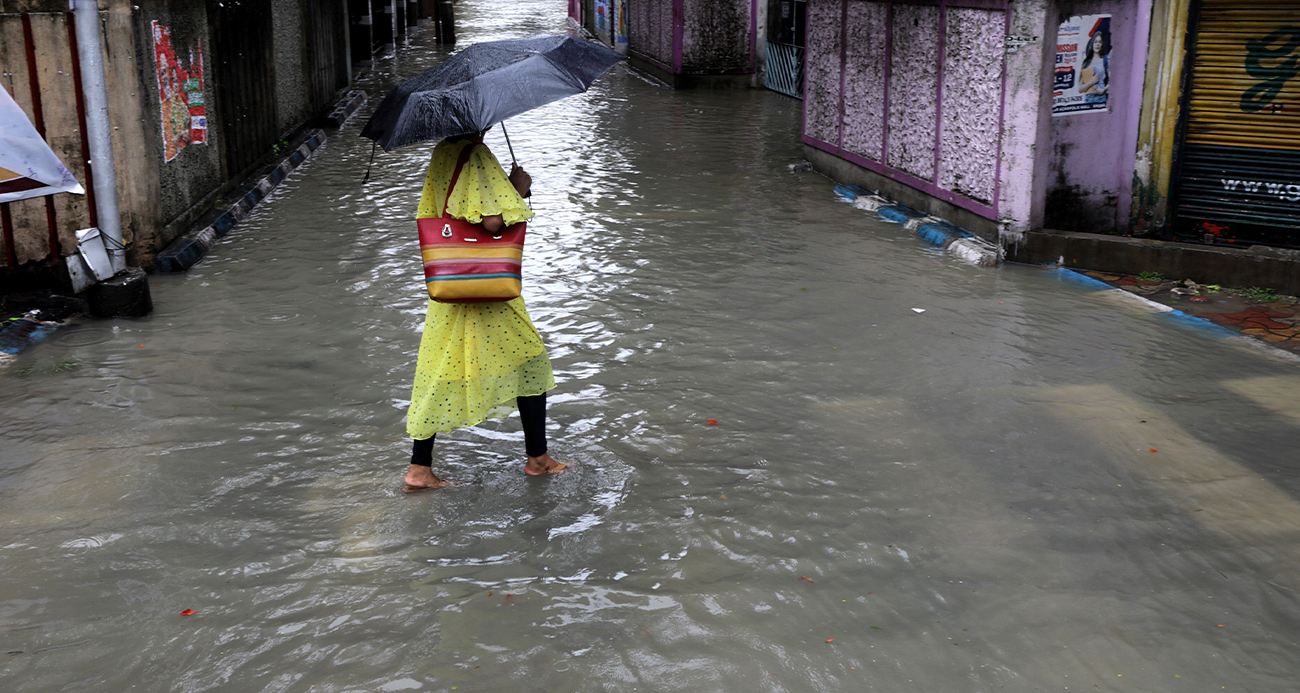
420	478
543	465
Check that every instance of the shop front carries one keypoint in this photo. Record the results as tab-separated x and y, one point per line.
1238	168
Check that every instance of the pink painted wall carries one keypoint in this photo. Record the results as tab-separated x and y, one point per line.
1090	182
1026	126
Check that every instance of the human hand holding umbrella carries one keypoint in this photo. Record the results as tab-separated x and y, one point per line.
484	85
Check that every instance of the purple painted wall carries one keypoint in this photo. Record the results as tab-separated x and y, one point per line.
1026	126
1090	180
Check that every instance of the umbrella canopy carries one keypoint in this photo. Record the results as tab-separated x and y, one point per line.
485	84
28	167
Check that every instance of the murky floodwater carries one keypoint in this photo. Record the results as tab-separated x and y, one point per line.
1022	488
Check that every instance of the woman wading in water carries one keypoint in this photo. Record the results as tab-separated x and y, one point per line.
476	356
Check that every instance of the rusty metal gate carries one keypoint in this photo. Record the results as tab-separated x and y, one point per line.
1239	169
244	72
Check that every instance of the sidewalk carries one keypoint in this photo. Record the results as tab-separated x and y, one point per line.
1259	266
1271	317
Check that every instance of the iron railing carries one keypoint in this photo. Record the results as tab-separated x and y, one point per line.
784	69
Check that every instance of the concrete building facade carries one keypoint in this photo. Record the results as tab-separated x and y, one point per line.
200	94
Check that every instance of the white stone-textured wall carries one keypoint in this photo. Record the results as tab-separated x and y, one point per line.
913	89
986	127
864	79
822	71
972	99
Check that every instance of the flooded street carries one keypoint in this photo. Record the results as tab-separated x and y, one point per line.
1022	488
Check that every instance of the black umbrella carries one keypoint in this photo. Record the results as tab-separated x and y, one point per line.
485	84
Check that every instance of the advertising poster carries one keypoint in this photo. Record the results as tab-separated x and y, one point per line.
604	18
1081	81
620	26
180	94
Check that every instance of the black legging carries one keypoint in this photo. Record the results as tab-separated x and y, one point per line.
532	412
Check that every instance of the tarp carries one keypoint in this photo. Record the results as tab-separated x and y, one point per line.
28	167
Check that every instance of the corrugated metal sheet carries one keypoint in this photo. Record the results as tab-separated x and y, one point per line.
1240	167
1240	185
1246	75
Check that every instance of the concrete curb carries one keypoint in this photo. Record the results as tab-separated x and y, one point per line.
1165	313
956	241
344	109
186	251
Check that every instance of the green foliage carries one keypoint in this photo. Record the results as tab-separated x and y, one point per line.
1149	276
1260	294
50	369
1213	288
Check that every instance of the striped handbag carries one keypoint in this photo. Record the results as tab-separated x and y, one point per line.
463	263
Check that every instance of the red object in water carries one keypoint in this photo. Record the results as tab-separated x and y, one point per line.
1154	450
188	612
831	640
712	422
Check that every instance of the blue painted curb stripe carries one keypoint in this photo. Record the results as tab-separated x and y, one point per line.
186	251
1178	317
1082	281
1209	329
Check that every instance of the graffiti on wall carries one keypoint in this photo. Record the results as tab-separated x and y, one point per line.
1274	61
1081	80
180	94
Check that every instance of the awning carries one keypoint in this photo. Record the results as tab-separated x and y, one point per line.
28	167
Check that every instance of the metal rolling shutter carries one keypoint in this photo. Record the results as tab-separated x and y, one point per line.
1240	167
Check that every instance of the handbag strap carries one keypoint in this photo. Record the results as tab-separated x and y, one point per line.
455	176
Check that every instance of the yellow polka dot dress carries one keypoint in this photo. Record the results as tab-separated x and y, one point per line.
473	356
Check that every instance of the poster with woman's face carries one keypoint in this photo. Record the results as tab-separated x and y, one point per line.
1082	76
